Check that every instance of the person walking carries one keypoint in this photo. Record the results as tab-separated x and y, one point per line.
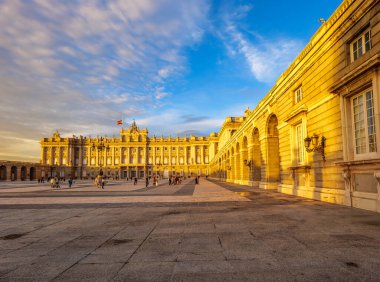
135	181
70	182
52	182
146	182
103	183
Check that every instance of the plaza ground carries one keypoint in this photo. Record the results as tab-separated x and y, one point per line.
211	231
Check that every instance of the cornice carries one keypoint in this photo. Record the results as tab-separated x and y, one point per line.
371	64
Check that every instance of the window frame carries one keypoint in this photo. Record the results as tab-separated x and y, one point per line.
366	154
297	146
298	98
361	38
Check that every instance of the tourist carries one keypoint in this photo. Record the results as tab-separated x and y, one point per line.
135	181
52	182
103	182
57	183
70	182
146	182
170	180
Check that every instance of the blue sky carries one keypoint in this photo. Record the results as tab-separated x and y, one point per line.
177	67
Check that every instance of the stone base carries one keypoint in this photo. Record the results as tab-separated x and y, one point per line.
316	193
268	185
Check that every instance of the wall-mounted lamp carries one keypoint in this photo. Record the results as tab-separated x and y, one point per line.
228	167
248	163
317	147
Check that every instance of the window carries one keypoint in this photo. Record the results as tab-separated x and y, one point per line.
298	144
364	123
298	95
361	45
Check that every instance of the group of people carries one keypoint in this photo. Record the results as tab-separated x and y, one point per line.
55	182
100	182
154	181
175	180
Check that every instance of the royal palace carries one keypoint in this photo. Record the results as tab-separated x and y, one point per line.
315	134
133	154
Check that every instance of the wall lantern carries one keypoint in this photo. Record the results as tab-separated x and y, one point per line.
248	163
228	167
317	147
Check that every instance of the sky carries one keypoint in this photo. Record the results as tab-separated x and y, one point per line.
175	66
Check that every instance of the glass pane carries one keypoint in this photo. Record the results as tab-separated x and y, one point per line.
359	124
371	122
367	40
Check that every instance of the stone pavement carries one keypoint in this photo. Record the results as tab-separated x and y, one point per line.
212	231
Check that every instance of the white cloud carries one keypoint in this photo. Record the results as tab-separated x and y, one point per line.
266	58
77	65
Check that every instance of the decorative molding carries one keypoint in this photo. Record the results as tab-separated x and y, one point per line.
371	64
300	110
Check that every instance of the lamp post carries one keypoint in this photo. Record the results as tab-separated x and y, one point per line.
317	146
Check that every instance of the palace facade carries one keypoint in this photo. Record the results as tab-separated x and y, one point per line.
133	154
315	134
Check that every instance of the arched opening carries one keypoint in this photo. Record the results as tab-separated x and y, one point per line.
13	173
272	154
237	163
245	162
256	158
229	165
3	172
32	173
232	164
23	173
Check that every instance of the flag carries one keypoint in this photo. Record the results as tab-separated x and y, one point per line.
119	122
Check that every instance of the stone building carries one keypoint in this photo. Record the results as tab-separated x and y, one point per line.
133	154
315	134
330	96
15	170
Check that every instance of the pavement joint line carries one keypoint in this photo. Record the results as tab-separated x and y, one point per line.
135	251
31	243
99	246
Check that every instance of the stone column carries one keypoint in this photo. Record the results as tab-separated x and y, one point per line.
244	167
51	155
9	171
42	155
202	154
170	155
177	161
250	168
112	156
97	157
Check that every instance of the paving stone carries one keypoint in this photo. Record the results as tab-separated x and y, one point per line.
212	234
